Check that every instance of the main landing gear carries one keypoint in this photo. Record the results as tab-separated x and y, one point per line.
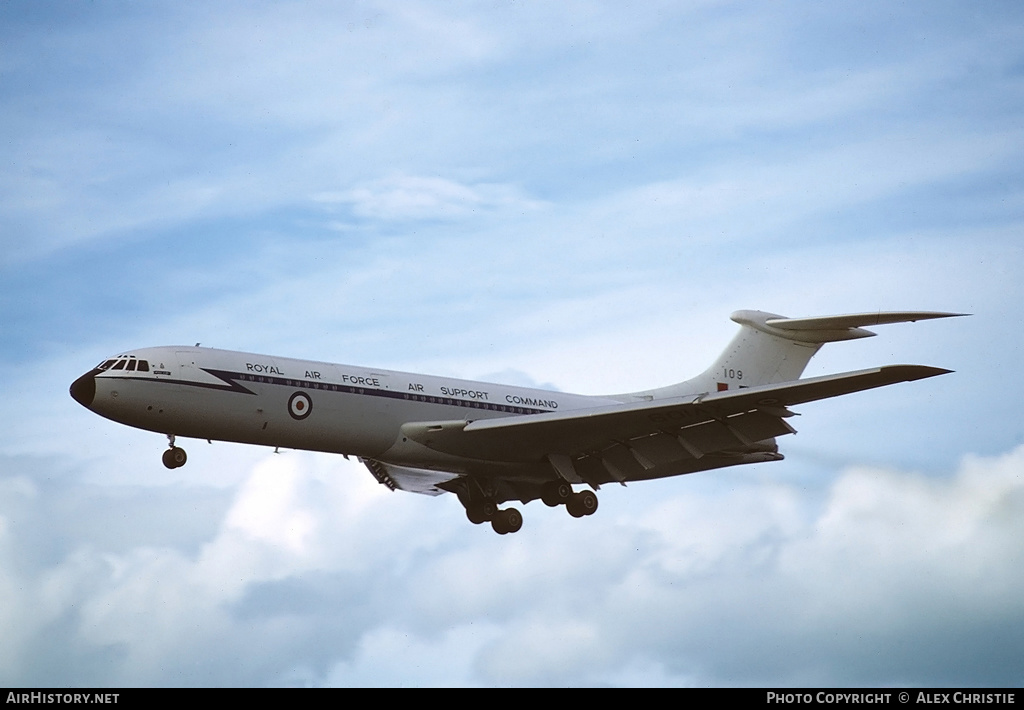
504	521
174	457
578	504
510	520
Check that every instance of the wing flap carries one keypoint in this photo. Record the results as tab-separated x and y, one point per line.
707	422
404	478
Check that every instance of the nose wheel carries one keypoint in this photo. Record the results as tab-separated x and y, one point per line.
175	456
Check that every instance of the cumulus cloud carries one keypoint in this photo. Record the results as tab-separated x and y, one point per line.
717	581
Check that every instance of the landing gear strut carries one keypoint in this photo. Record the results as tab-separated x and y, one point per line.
174	457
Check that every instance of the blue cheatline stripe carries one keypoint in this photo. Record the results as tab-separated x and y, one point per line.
232	384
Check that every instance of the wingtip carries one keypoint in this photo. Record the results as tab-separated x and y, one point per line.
931	315
920	372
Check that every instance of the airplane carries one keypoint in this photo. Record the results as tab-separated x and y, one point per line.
490	443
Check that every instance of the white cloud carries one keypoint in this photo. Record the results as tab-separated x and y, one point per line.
389	657
885	564
267	509
408	197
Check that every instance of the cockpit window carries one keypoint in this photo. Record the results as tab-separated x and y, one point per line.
127	363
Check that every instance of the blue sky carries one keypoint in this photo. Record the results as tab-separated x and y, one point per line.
575	196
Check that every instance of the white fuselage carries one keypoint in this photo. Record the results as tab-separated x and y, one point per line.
258	399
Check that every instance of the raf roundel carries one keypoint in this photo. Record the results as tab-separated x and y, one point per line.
300	405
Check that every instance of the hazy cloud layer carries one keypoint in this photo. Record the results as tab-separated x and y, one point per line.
313	573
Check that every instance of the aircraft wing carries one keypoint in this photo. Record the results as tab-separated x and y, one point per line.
650	432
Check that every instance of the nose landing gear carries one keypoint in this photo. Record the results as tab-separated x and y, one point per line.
174	457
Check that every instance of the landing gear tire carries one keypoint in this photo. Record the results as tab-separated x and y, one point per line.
556	493
175	457
582	503
482	511
507	521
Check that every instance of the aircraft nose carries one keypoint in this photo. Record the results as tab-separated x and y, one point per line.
84	388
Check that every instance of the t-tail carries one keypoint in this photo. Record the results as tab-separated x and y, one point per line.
771	349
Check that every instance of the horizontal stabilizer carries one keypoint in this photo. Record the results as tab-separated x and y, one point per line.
823	329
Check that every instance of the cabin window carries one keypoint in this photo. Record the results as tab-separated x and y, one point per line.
143	365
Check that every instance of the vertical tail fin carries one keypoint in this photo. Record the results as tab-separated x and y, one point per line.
770	348
760	354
